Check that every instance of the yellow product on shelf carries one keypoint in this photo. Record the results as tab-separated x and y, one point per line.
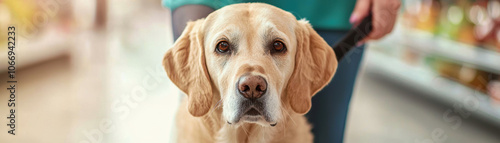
428	16
422	15
21	10
466	75
26	15
466	35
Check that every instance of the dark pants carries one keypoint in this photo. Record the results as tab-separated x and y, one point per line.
329	107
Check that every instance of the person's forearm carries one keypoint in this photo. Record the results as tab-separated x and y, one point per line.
183	14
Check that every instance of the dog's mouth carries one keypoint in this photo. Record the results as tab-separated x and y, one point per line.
252	112
255	115
252	115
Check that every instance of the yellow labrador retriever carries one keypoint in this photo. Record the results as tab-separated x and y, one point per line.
249	72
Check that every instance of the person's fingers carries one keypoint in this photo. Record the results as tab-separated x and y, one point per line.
384	18
380	20
361	10
392	13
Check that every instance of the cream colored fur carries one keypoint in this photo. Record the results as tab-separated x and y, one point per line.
208	77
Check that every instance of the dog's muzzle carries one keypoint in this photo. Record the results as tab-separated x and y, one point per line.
252	89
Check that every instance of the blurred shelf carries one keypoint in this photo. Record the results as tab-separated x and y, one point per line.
427	43
423	79
51	44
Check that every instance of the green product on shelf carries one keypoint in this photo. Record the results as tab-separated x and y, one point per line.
452	19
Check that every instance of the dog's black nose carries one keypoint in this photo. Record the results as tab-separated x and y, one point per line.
251	86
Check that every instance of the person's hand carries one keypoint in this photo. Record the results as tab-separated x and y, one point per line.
384	16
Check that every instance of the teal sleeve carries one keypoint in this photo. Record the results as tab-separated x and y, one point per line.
215	4
322	14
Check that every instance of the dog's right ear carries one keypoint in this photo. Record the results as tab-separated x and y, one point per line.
186	67
315	65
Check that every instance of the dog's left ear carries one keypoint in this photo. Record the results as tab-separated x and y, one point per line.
186	67
315	65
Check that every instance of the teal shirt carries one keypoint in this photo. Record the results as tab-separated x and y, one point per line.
322	14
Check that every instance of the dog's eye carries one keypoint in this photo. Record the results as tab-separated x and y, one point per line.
222	47
278	46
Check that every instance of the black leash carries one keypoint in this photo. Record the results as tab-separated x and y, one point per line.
354	35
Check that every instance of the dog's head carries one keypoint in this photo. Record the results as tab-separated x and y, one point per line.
257	60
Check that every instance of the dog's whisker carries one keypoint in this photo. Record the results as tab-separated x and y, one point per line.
288	114
245	130
204	119
218	103
263	135
284	129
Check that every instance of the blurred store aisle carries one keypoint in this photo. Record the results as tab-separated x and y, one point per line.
382	111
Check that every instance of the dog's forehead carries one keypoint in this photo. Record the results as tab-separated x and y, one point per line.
249	16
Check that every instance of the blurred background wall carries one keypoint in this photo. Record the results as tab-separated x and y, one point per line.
90	71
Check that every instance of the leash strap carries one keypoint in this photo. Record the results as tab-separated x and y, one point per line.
354	35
